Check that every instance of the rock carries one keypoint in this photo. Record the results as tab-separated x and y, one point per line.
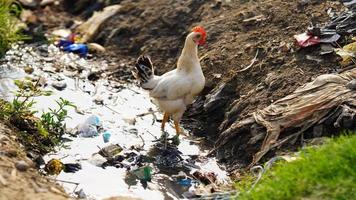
27	16
28	3
80	194
94	47
29	70
11	153
97	160
22	165
98	100
130	121
3	180
47	2
62	33
59	85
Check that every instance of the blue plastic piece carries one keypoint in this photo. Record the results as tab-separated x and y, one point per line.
106	136
93	120
65	43
185	182
80	49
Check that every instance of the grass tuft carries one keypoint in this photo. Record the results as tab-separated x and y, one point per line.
9	31
326	172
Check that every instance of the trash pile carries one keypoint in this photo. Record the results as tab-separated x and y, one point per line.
341	26
325	105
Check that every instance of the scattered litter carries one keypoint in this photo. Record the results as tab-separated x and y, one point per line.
169	157
110	151
344	24
87	130
187	182
205	177
347	53
330	39
326	49
54	167
97	159
106	136
72	167
81	49
349	2
305	40
143	173
94	120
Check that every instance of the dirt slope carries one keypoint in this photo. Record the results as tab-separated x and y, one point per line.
16	184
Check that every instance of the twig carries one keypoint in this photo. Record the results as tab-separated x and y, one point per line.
106	106
346	68
152	135
252	62
143	141
146	113
70	182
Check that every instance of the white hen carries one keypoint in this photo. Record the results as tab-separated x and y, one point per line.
176	89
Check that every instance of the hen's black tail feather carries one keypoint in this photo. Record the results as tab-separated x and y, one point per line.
144	69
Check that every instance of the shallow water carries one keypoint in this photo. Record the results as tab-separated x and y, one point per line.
121	107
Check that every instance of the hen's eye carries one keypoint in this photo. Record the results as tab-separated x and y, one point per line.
198	36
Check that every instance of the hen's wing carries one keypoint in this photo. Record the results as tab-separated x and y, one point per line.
171	86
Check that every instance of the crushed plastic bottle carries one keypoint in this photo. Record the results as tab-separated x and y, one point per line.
93	120
87	130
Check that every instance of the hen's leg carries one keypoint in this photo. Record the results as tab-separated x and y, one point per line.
179	131
165	119
176	126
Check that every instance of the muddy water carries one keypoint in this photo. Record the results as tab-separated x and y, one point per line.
119	114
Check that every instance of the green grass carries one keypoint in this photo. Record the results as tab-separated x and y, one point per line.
9	32
326	172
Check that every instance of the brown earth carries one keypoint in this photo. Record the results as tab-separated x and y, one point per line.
26	183
236	30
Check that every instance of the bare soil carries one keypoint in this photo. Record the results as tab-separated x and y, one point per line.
22	184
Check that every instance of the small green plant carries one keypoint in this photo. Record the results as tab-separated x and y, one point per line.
53	121
22	103
9	30
38	134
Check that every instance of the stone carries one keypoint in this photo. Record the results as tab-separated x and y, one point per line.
28	3
28	70
59	85
22	165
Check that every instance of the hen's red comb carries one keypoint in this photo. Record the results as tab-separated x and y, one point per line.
199	29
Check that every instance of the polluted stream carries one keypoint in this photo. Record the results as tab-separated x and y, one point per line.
114	133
